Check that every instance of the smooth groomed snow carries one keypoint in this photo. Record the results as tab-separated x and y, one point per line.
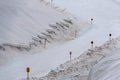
106	20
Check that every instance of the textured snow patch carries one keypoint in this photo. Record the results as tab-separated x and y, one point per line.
107	68
79	68
22	19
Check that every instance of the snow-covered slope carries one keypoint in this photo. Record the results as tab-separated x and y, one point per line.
20	20
79	68
106	20
108	68
26	24
105	14
31	25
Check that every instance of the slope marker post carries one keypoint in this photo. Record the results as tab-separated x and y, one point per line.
91	20
70	55
92	43
110	37
28	71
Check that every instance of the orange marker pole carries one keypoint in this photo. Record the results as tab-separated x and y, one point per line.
28	71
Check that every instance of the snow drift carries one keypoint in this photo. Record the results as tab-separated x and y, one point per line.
109	67
27	24
21	20
25	27
80	67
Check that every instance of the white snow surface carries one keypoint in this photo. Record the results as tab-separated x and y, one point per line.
108	68
106	15
79	68
20	20
104	12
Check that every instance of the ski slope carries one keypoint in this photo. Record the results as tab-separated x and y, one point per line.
107	68
106	15
80	67
106	20
22	20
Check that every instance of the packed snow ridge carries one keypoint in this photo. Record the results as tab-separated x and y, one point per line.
80	67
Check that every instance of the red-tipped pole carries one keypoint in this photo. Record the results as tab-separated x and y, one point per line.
70	55
92	44
110	37
91	20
